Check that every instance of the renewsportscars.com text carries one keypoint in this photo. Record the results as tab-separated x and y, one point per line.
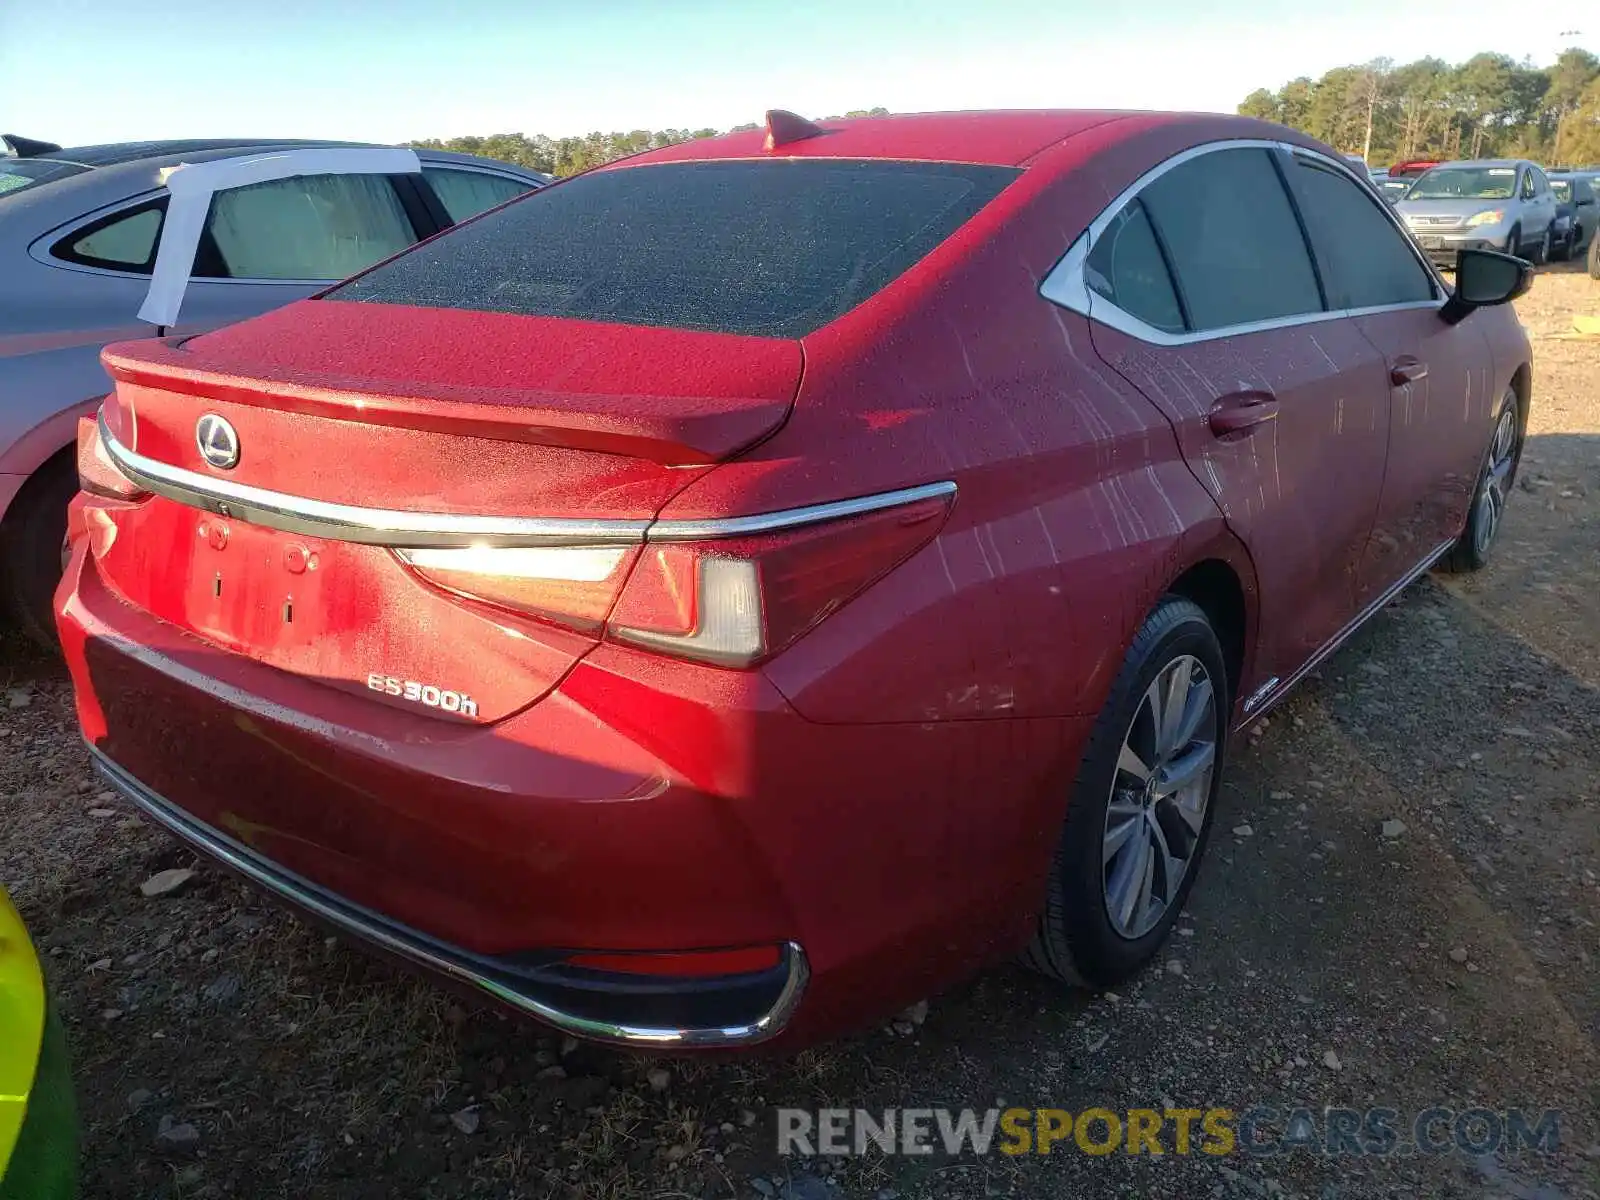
1261	1130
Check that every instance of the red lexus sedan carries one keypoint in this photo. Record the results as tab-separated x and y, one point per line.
739	591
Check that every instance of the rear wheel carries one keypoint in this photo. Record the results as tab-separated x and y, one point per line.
1561	250
1141	808
1514	241
30	548
1541	253
1495	477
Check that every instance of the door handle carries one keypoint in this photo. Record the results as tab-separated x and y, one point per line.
1406	370
1241	412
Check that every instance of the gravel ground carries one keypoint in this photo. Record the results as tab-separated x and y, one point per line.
224	1049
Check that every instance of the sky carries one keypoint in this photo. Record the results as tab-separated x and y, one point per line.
85	71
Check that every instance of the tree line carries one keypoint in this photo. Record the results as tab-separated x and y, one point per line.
1487	106
569	155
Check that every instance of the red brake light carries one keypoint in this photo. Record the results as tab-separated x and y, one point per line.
97	474
728	601
570	585
737	601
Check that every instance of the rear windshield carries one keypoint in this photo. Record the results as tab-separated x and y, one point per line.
774	249
19	173
1465	183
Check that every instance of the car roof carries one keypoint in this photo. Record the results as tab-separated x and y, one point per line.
1487	162
116	153
997	137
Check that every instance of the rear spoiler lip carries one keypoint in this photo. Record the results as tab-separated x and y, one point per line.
684	438
404	529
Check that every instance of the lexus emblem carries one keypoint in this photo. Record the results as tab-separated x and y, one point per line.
219	444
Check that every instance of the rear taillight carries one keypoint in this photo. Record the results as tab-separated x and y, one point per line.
97	474
570	585
736	601
728	601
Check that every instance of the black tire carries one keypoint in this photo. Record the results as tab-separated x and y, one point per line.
1562	250
1472	550
1594	255
1541	253
30	548
1076	942
1514	241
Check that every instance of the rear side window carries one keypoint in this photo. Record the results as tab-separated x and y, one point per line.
774	249
467	193
1365	260
125	241
1127	268
1233	239
307	227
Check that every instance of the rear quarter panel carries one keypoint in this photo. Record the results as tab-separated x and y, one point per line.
1075	509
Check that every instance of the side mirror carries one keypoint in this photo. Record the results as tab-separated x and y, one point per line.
1483	278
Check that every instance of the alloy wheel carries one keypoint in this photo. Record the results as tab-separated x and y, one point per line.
1491	499
1159	796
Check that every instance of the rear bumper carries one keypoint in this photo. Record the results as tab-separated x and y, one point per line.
727	1011
643	806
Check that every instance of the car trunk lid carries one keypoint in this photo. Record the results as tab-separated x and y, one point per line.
356	425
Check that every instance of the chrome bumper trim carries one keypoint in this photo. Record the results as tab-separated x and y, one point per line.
429	952
402	529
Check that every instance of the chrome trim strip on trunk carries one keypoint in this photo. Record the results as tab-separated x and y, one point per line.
790	518
403	529
425	951
351	523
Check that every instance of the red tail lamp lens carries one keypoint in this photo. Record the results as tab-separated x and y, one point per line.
737	601
97	474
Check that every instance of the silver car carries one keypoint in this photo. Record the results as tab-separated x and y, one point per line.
105	243
1489	204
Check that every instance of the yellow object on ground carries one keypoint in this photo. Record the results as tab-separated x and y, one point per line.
1587	325
38	1115
21	1025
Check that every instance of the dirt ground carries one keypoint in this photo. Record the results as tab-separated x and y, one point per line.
1320	962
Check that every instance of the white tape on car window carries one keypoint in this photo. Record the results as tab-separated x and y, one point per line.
191	186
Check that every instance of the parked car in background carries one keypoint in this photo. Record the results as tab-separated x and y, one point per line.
81	230
853	577
1499	204
1577	196
1412	168
1391	189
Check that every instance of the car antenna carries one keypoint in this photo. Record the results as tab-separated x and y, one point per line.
784	127
27	147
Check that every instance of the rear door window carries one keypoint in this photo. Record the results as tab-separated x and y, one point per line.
1233	239
310	227
1365	260
769	248
467	193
